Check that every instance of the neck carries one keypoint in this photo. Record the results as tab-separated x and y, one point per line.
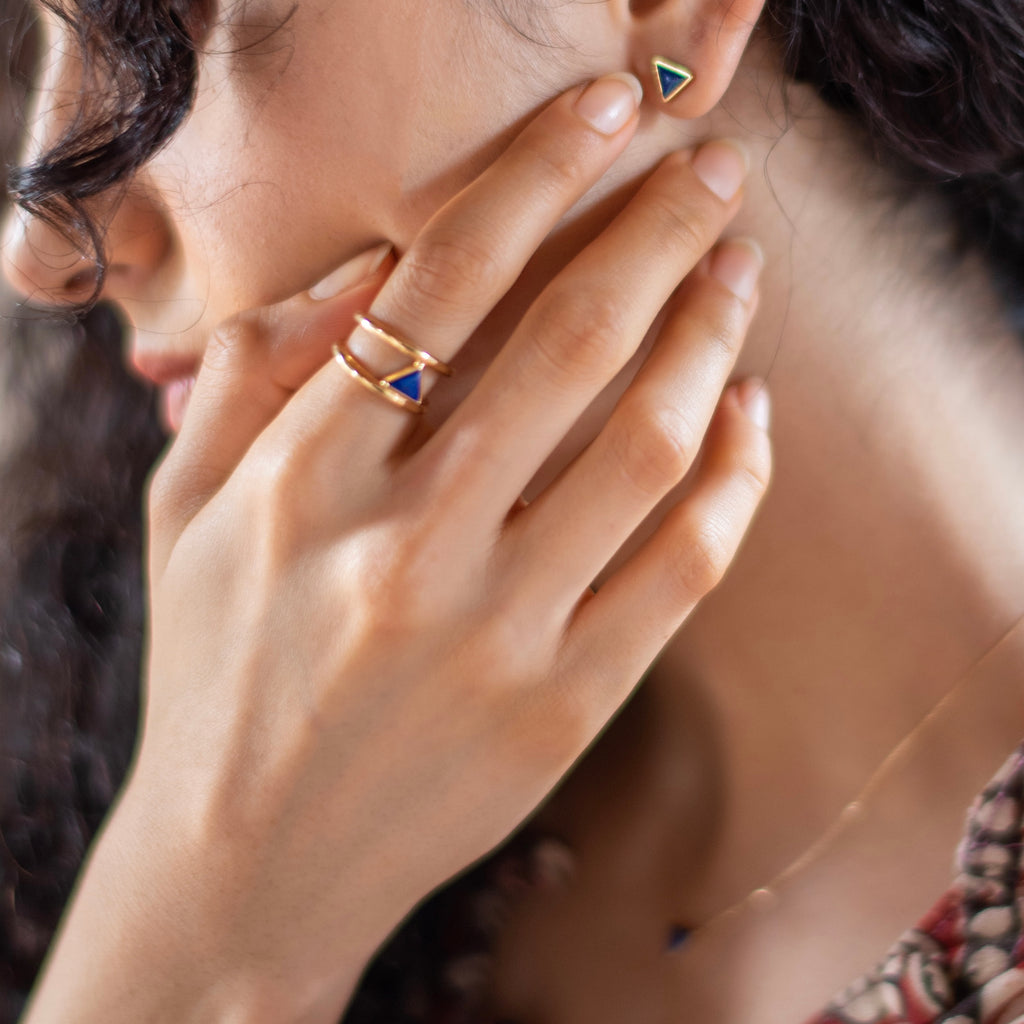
886	562
888	557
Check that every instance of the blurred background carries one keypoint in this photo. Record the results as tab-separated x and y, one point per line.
77	439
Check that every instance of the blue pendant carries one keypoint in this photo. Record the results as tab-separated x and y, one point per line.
672	78
410	384
677	938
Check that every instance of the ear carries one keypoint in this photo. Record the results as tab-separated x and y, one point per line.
707	37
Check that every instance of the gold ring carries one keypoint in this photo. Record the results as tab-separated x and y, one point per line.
373	326
401	388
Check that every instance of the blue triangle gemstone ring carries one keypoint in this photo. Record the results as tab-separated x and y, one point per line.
380	330
404	387
671	78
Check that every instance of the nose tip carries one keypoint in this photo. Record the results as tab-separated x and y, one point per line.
42	264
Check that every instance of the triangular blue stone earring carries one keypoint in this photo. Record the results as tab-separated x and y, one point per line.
670	77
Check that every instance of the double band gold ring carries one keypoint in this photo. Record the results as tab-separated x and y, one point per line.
404	387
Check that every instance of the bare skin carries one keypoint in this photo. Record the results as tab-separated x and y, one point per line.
320	699
902	586
887	560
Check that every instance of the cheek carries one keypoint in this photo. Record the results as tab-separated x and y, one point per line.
301	152
474	93
481	81
294	154
349	125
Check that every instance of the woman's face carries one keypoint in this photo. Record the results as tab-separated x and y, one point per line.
313	137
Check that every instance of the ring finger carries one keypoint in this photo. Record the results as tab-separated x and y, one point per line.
651	439
584	328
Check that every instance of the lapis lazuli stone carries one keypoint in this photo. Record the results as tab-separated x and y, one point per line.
410	384
677	937
670	80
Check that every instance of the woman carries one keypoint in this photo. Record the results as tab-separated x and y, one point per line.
861	650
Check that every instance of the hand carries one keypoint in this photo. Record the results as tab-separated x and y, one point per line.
369	663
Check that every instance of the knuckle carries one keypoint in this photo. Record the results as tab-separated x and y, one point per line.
451	270
270	483
720	330
557	168
653	448
276	476
175	492
699	559
579	336
452	468
755	467
396	575
513	628
508	643
686	227
228	341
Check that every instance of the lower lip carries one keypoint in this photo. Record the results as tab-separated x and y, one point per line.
176	396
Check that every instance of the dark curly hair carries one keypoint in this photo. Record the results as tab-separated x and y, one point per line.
936	88
138	79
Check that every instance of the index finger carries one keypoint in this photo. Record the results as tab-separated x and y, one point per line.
469	254
472	251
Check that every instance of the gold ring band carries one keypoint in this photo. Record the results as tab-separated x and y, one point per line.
417	355
381	386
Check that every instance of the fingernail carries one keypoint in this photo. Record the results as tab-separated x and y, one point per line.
755	401
722	165
348	274
610	102
737	263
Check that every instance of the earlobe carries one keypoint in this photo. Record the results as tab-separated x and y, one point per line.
707	37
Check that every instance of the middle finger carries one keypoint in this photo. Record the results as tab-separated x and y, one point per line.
586	325
651	439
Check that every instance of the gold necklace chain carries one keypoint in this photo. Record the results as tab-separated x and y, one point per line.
767	896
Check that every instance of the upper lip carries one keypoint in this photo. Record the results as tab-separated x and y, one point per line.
164	367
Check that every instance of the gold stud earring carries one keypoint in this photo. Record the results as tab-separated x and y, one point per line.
671	78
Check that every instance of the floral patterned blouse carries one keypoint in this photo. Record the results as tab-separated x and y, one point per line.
964	962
